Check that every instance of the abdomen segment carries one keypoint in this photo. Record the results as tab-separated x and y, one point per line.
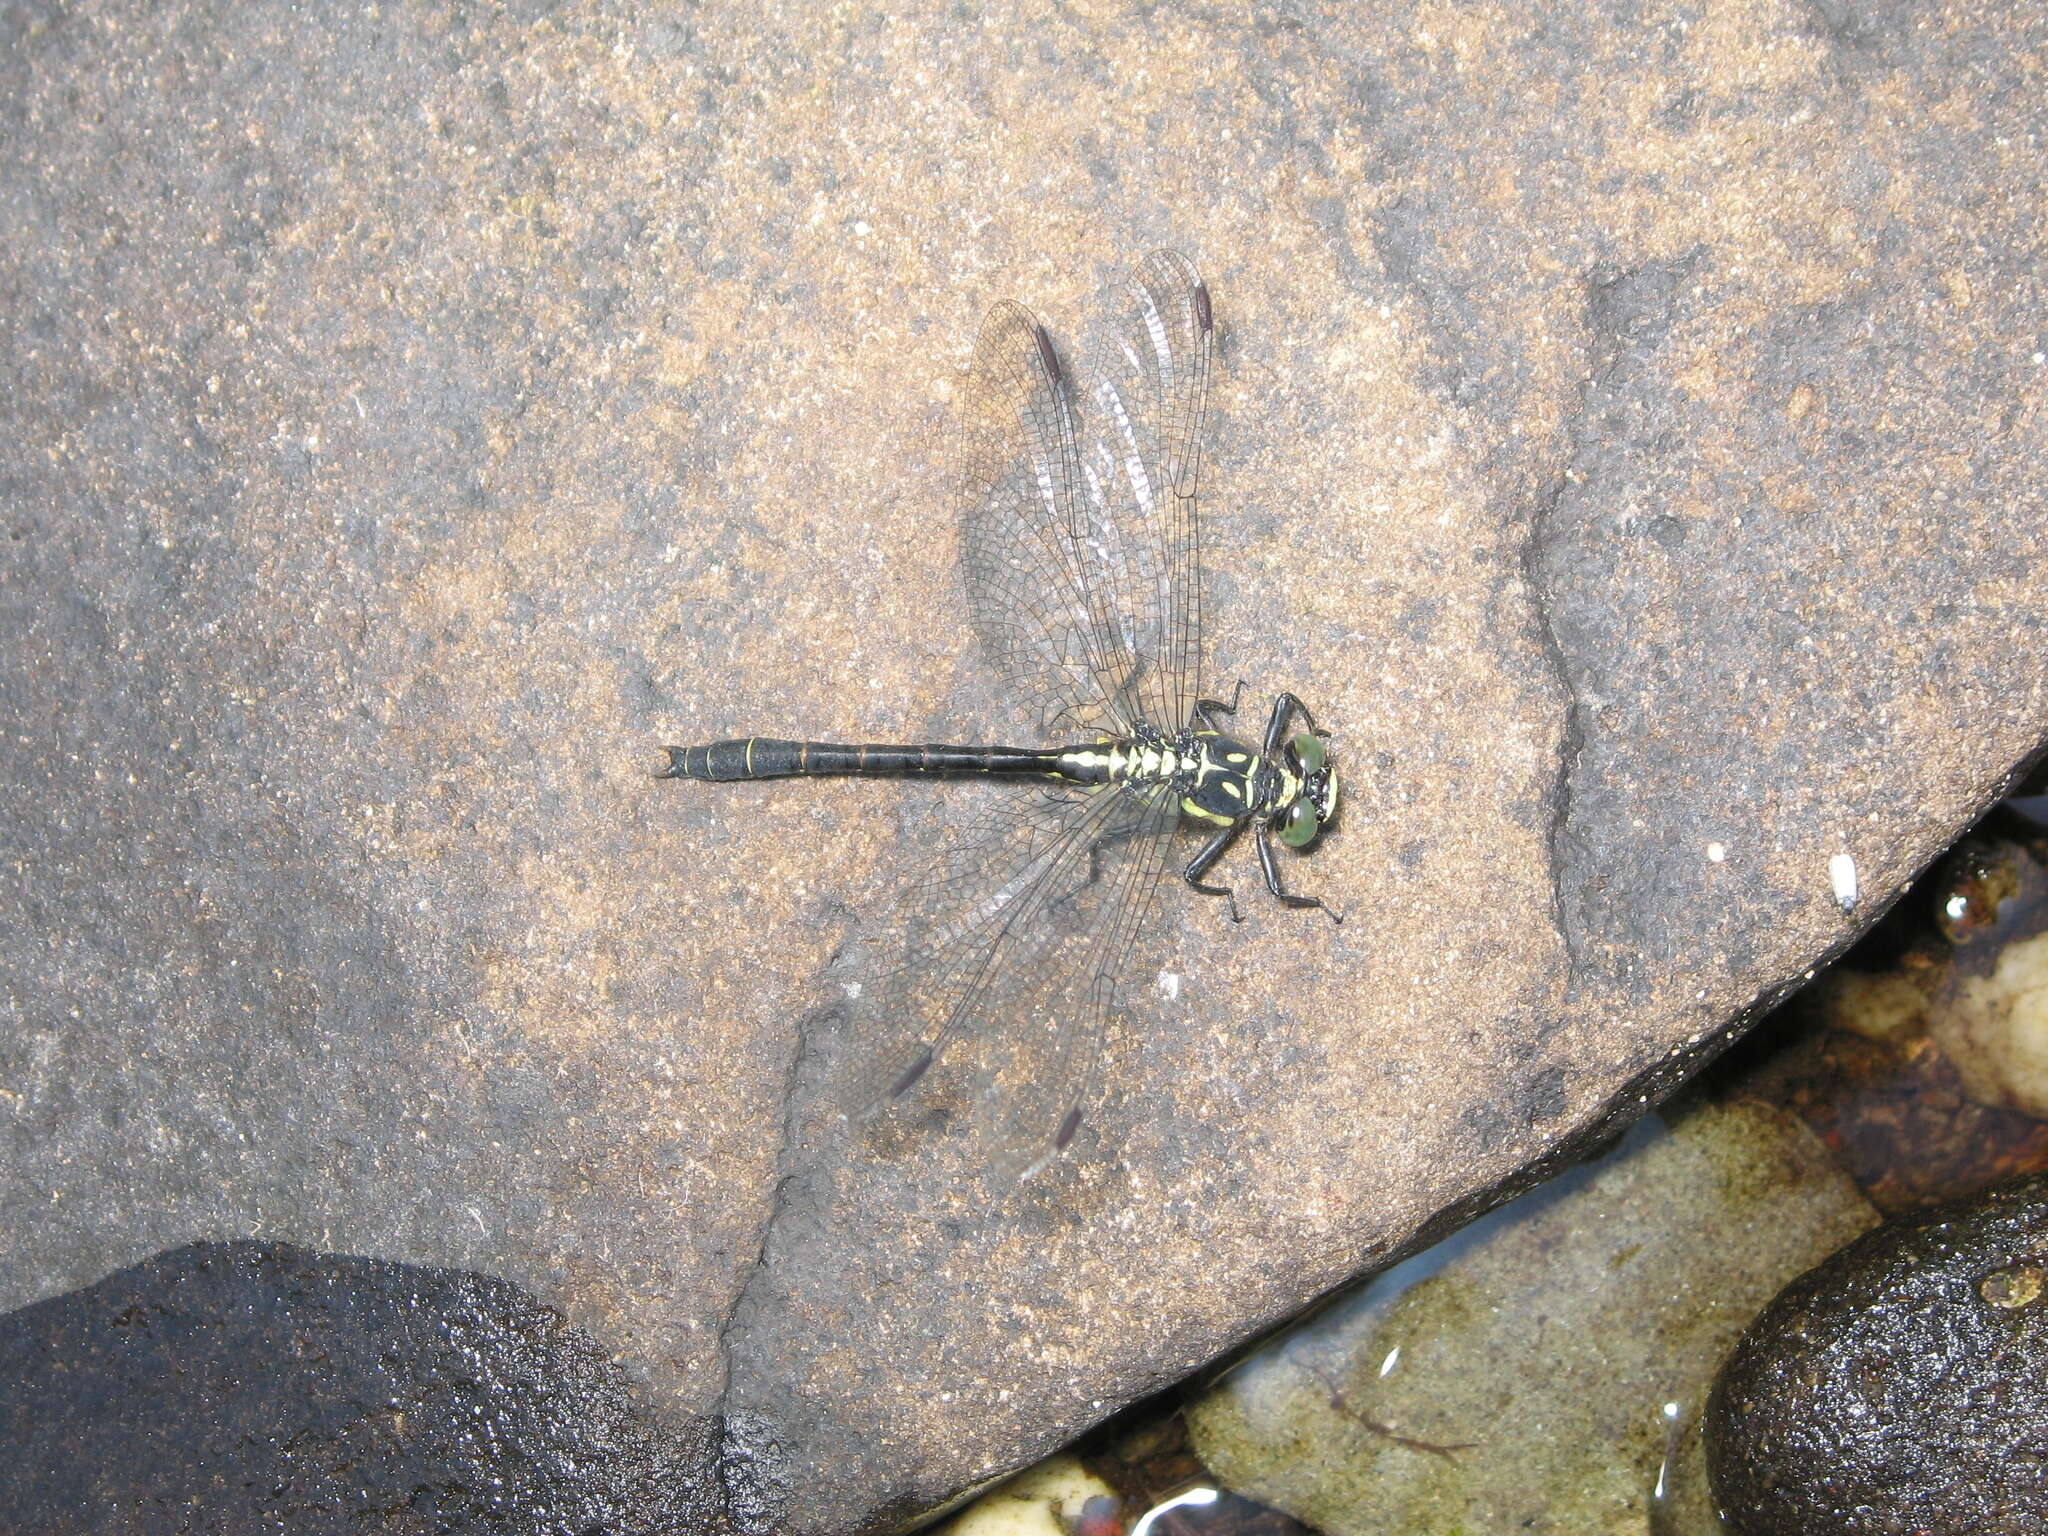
771	757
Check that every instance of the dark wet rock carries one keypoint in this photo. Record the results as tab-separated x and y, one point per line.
243	1386
1901	1387
1629	432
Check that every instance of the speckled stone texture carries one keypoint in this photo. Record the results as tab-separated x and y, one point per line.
1628	431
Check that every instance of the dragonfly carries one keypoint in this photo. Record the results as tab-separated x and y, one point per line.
1080	553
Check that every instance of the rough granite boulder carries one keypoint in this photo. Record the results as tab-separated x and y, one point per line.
1628	438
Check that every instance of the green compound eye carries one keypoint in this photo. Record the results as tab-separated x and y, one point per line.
1301	826
1308	752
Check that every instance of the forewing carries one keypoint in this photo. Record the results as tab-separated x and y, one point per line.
1145	403
1014	945
1045	623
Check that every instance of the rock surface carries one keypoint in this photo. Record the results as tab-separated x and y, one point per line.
251	1386
1628	430
1058	1497
1900	1387
1544	1370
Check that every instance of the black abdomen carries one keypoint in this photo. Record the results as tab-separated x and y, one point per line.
771	757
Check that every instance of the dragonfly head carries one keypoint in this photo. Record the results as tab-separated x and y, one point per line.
1308	815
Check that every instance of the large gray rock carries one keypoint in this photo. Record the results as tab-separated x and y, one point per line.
1628	430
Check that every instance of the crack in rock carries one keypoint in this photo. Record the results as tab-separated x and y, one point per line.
1627	316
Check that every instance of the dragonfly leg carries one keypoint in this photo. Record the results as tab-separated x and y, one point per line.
1209	853
1271	869
1285	708
1109	839
1209	709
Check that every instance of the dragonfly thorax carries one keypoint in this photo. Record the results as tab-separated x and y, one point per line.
1226	781
1218	779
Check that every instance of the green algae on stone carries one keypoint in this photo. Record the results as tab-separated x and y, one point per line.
1544	1369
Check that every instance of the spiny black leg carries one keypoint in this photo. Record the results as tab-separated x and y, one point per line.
1271	869
1113	836
1209	709
1210	852
1284	709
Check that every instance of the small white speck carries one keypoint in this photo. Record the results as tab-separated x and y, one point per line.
2040	358
1842	875
1393	1359
1169	983
853	989
1716	853
1671	1410
1957	908
860	228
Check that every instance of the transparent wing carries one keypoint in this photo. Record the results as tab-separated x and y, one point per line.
1083	581
1041	615
1083	571
1145	405
1015	943
1038	1075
